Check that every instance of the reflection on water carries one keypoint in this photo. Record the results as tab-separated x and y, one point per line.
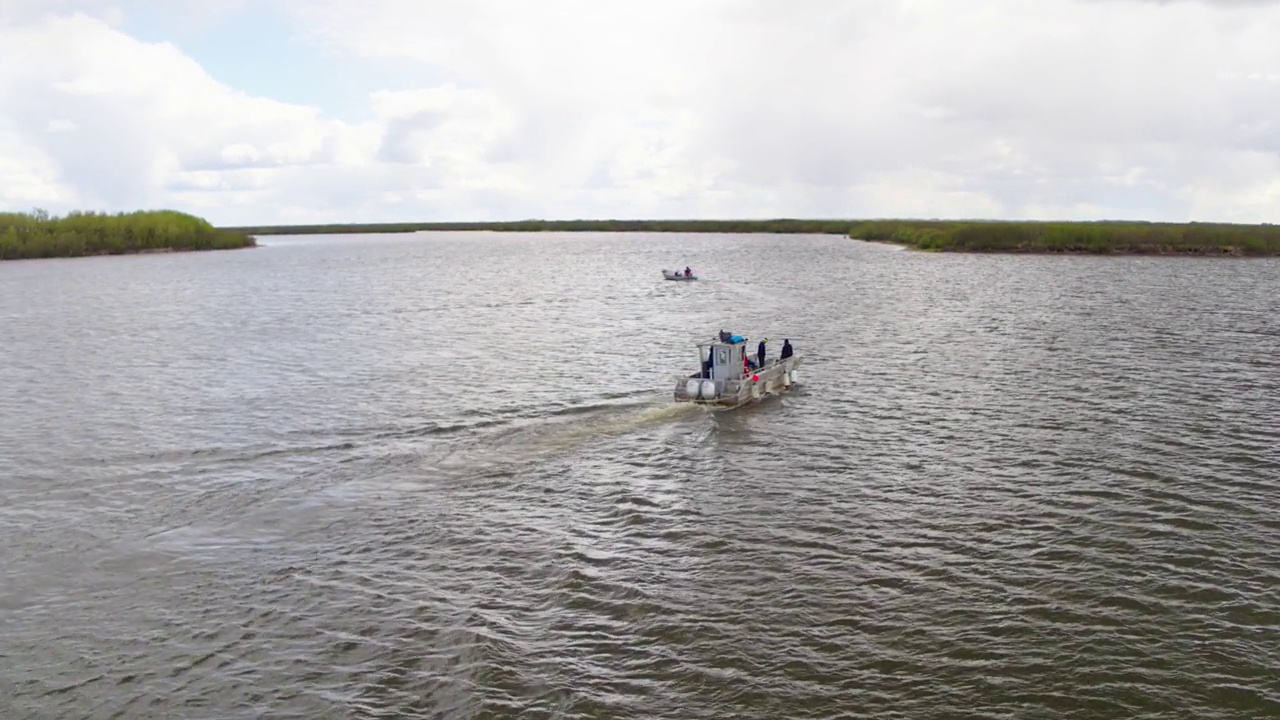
427	476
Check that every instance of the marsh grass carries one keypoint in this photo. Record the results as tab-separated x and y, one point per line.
1094	238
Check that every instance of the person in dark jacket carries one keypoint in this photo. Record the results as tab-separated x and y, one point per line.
786	349
760	352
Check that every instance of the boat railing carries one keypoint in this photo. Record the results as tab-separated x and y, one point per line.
769	364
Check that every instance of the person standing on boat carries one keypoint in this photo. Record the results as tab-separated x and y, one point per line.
760	353
786	349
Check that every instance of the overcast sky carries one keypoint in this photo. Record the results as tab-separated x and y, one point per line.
278	111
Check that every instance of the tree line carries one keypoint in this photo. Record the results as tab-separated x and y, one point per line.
39	235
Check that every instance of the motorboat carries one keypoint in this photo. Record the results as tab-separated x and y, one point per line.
729	376
678	275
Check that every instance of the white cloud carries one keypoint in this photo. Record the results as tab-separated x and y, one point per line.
448	131
28	178
721	108
124	123
984	107
17	11
59	126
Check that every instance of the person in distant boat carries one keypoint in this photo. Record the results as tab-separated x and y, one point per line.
687	271
760	352
786	349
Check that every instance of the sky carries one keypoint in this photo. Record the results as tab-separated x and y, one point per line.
251	112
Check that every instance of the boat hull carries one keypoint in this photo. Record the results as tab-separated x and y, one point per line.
776	378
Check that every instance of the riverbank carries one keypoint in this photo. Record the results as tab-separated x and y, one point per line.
1096	238
25	236
784	226
1091	238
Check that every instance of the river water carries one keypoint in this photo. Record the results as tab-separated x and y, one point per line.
441	476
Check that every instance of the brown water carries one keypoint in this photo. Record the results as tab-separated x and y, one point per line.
440	476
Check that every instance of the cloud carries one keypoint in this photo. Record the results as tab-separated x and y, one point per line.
1060	108
19	11
721	108
125	123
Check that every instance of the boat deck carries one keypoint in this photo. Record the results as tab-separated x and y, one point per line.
774	378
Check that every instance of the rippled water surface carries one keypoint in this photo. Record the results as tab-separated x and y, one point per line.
441	476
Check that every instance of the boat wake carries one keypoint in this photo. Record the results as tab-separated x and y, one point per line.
503	449
532	440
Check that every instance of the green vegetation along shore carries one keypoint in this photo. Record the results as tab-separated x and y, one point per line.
835	227
39	235
1100	238
1096	238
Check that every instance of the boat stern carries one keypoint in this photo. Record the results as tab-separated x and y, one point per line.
774	379
727	379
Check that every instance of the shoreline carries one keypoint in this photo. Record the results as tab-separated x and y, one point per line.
1099	238
1105	238
1188	253
786	226
135	253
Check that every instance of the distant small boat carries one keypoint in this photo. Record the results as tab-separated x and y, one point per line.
668	275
